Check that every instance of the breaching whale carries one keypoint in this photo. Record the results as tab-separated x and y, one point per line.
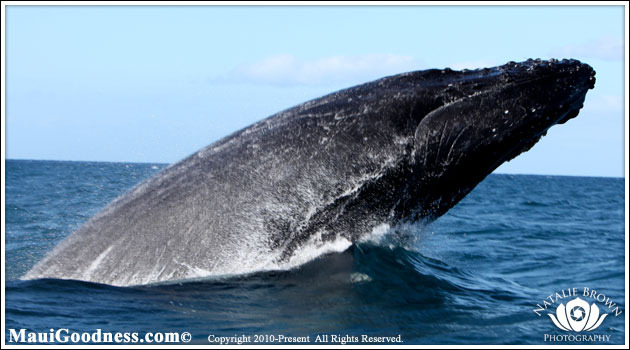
323	174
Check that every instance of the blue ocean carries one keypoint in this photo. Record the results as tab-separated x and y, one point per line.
515	244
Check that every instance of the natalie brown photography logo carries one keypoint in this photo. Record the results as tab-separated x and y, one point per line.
577	316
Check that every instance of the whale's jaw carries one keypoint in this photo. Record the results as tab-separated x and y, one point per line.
458	144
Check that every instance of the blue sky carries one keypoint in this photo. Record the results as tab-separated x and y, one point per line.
155	84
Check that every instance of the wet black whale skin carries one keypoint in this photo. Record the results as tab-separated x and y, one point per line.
400	148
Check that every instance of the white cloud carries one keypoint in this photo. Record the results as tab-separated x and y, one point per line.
289	70
604	48
605	103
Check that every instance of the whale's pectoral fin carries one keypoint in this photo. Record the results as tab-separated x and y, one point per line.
459	143
465	131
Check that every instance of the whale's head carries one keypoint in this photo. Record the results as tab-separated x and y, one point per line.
482	118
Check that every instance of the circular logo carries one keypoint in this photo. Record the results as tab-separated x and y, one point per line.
577	313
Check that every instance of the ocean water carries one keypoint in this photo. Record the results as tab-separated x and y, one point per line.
473	276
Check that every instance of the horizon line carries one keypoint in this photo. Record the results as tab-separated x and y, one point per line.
162	163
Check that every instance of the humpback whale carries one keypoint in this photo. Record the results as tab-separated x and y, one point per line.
319	176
